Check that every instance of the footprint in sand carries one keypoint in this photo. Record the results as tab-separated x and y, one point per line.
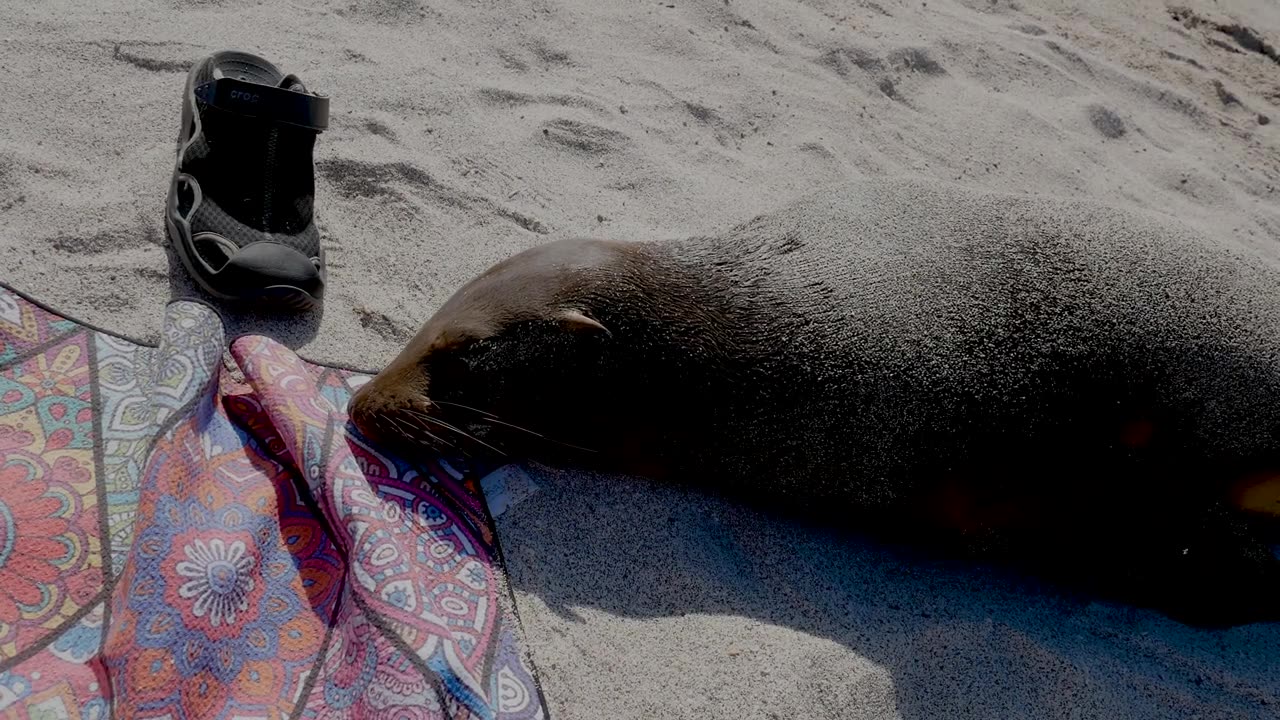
379	128
584	137
109	240
1106	122
160	57
515	99
402	183
381	324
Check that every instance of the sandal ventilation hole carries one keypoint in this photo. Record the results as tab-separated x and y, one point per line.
214	250
186	198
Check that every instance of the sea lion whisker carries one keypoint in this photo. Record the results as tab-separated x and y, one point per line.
464	407
406	429
397	423
513	426
447	426
409	429
494	419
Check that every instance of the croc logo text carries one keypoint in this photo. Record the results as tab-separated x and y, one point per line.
243	95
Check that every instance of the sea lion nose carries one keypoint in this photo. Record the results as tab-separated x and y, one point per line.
363	407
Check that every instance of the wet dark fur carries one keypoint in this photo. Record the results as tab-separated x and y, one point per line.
1059	383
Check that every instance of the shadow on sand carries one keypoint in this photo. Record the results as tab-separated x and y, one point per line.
291	329
956	640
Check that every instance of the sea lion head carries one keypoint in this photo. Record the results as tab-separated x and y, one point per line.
512	358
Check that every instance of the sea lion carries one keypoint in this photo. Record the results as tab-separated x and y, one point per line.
1095	388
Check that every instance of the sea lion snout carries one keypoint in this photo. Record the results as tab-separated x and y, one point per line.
375	406
502	359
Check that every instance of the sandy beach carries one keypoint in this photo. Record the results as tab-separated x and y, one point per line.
463	132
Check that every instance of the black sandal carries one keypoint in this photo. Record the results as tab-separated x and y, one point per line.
240	212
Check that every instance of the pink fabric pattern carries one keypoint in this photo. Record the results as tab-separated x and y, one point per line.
191	535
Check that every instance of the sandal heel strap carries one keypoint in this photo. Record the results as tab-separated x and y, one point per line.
265	102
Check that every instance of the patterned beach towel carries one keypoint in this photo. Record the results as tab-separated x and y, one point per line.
191	533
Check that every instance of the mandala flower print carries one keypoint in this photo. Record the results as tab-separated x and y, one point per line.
219	579
56	376
32	548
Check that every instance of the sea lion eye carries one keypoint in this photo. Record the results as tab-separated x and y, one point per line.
446	370
447	356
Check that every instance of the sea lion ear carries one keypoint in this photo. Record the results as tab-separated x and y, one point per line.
579	322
